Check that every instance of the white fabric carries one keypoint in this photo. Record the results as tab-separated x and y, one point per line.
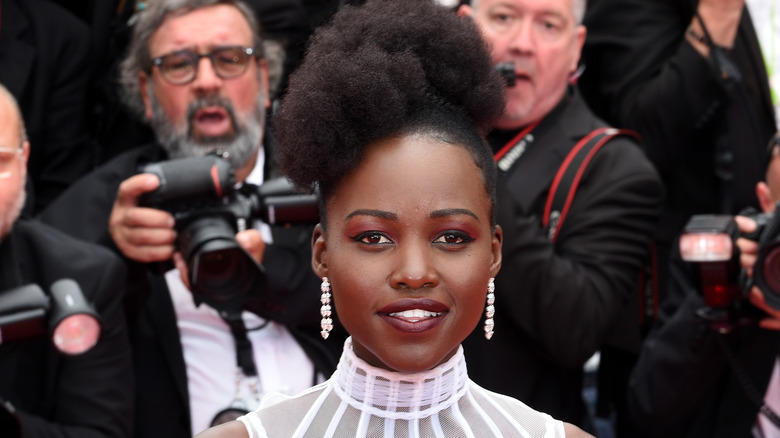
766	20
256	177
210	354
360	400
772	399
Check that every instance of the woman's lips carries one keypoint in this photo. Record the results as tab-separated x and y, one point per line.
414	316
412	325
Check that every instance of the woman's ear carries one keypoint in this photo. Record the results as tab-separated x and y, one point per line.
318	252
498	239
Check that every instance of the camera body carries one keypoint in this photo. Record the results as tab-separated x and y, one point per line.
209	210
709	242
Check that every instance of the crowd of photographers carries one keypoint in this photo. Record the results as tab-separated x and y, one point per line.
151	182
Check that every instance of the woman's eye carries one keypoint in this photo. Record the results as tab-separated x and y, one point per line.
453	238
372	238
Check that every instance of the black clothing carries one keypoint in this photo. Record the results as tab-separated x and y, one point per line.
558	303
89	395
683	386
641	73
705	132
45	64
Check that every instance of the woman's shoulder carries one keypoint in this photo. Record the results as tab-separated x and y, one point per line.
523	416
280	415
232	429
573	431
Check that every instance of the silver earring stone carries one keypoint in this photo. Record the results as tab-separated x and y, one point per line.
327	323
490	309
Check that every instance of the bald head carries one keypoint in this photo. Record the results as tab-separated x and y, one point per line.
10	119
14	150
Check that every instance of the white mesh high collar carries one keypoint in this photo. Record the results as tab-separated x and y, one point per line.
394	395
363	401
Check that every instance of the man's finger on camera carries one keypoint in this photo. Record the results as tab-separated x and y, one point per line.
748	252
745	224
253	243
142	234
144	217
133	187
757	299
149	253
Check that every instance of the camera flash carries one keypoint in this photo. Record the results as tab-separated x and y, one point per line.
706	247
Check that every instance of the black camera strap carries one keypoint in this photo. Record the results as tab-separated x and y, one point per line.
244	356
755	396
732	164
247	369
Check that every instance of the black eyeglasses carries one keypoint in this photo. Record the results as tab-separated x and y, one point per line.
181	67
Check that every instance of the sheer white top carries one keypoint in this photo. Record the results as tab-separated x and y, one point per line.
360	400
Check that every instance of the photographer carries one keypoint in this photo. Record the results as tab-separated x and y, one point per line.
43	392
694	380
196	71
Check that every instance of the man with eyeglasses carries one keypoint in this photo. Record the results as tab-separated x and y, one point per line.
196	71
43	391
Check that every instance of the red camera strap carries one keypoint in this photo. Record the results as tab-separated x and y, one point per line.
568	177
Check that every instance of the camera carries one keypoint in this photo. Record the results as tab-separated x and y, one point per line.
209	210
64	315
709	243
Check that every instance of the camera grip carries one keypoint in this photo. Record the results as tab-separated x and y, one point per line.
206	178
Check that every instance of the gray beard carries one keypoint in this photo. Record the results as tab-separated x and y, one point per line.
236	149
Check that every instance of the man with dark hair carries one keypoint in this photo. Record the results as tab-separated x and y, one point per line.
568	288
44	392
196	71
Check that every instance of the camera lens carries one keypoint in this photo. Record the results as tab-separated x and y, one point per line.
767	273
221	272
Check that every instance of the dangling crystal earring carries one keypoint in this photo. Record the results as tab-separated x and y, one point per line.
327	322
490	310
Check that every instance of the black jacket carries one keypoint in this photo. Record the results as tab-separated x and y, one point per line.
641	73
90	395
558	303
45	64
683	384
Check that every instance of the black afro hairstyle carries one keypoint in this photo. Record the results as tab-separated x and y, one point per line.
383	69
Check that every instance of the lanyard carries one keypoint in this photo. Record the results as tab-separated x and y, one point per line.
507	156
244	359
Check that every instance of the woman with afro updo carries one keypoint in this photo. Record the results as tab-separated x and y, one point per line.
384	119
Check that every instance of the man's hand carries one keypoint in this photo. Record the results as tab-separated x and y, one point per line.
747	258
748	249
250	240
141	234
757	299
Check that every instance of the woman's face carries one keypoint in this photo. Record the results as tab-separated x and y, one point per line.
409	250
